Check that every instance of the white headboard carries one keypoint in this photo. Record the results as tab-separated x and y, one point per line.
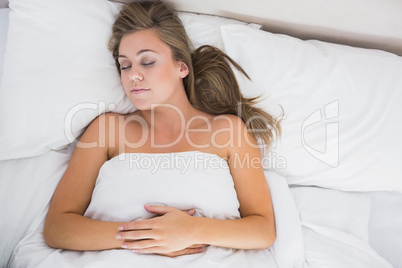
363	23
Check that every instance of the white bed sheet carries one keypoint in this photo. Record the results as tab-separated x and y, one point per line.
26	186
350	229
385	226
3	35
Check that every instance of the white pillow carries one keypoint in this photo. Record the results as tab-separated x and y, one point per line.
205	29
57	66
59	74
342	105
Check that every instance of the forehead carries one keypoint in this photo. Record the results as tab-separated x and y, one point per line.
142	40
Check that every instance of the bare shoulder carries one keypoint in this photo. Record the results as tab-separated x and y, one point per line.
230	132
228	121
103	121
107	120
230	124
128	133
98	129
105	131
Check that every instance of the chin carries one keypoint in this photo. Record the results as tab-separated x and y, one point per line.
142	105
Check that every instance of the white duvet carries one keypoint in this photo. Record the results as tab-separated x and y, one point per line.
125	183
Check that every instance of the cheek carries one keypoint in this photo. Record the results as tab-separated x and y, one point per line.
169	76
125	82
157	74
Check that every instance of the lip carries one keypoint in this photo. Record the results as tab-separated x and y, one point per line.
139	90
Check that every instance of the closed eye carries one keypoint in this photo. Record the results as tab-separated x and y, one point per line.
124	68
148	63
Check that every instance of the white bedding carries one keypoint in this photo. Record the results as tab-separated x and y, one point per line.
335	228
25	216
3	36
316	227
312	223
26	187
127	182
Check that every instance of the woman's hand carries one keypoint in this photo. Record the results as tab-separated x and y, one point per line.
194	249
170	234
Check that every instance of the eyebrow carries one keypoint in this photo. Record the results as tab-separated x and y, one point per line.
139	53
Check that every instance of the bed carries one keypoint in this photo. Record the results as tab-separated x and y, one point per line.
334	175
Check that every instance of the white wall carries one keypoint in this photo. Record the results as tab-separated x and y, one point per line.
365	23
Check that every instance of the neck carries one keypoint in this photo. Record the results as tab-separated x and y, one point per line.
169	119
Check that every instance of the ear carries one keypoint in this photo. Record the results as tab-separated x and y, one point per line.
183	69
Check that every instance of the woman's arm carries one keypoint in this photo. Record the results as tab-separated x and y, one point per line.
65	227
175	230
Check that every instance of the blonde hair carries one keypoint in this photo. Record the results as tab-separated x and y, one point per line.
211	85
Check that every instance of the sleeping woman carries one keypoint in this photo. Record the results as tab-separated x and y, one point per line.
182	175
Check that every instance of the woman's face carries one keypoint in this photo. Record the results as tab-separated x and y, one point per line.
149	73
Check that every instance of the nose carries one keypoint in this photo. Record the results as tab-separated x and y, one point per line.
136	76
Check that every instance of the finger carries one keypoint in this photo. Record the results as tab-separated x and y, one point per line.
190	212
144	246
161	210
198	246
137	225
136	235
151	250
186	251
